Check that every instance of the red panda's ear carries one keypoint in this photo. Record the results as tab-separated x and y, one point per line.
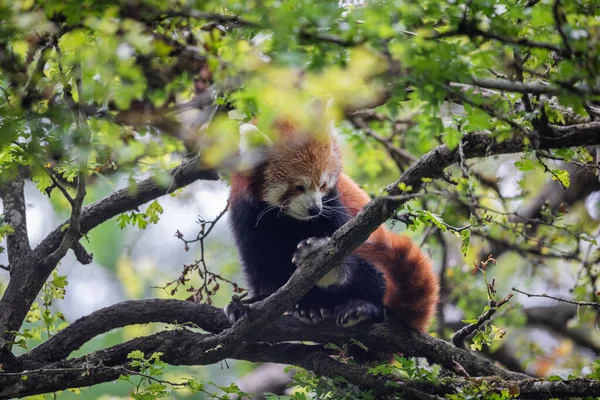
254	146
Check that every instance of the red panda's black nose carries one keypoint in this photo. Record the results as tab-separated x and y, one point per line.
314	210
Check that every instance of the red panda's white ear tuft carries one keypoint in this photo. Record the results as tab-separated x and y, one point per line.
330	115
332	131
253	146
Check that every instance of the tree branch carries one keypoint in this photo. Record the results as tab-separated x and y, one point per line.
225	20
531	88
119	315
376	337
473	32
13	202
17	243
73	233
459	337
577	303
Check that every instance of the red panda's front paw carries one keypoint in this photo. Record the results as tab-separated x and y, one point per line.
357	311
240	306
311	314
307	248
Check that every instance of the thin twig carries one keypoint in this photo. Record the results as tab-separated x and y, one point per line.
207	276
559	28
547	169
60	187
577	303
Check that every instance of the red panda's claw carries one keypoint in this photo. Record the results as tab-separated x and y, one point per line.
357	311
311	315
326	313
315	315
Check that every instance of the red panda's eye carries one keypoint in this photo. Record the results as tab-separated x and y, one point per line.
300	188
324	186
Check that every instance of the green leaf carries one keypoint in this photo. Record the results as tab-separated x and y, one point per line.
561	176
465	237
452	138
525	165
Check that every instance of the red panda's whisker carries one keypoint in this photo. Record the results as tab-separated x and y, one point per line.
335	207
325	215
326	208
263	213
285	203
331	199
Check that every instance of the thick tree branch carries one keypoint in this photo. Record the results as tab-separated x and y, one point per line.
179	347
126	313
211	319
182	347
13	201
17	243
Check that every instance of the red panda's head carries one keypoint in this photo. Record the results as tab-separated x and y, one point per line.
295	172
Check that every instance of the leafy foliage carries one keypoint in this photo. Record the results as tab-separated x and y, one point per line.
43	321
95	95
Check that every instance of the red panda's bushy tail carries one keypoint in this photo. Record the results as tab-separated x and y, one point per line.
412	287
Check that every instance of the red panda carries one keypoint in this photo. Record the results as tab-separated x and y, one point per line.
289	198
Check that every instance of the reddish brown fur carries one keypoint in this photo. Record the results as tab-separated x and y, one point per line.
354	198
301	156
411	284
